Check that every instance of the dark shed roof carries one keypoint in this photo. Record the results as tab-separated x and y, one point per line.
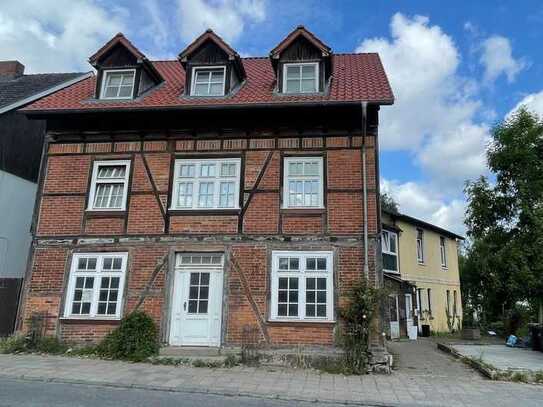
13	90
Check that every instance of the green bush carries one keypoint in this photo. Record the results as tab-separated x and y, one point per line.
135	339
357	318
13	344
49	344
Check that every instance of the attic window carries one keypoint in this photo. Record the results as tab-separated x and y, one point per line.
208	81
301	78
118	84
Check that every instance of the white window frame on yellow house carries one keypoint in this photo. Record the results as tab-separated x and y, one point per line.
420	245
387	235
443	251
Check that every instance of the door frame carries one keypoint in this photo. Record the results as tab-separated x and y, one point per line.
174	301
397	322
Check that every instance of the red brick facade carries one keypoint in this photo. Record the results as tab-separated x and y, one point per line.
149	232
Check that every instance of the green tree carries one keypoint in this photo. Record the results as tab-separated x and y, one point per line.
505	217
388	203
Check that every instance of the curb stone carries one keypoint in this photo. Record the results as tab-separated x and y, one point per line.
190	390
490	374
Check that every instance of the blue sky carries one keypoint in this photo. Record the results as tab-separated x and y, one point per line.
456	67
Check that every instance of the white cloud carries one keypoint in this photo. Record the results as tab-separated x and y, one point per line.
533	102
497	59
457	155
58	36
423	202
435	108
226	17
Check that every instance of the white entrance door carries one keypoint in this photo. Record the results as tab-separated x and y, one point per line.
411	330
394	316
197	300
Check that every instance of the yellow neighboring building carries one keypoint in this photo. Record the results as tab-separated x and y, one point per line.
423	257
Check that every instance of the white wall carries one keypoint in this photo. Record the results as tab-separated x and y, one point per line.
16	205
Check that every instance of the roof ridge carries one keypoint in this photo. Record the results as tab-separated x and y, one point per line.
56	73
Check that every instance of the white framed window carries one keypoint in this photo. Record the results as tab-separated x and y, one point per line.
303	182
389	247
206	184
96	284
443	251
208	81
302	286
109	185
118	84
301	77
420	245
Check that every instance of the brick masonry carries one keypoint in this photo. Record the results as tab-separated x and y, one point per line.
64	226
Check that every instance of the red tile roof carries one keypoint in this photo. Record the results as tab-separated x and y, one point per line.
356	77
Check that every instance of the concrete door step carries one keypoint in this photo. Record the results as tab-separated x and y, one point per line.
191	351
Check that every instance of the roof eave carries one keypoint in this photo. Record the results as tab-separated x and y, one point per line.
46	112
420	222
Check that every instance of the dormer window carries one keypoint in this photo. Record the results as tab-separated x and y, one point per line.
208	81
302	64
123	72
212	67
118	84
301	78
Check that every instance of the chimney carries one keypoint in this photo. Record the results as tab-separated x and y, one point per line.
11	69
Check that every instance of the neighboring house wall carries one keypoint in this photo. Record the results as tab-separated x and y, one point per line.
65	227
430	274
17	197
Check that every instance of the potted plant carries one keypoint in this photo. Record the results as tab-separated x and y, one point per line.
470	325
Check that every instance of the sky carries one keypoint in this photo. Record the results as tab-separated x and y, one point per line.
456	68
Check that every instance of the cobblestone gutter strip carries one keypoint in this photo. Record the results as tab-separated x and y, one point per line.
483	368
193	390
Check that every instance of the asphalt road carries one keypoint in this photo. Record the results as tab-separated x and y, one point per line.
23	393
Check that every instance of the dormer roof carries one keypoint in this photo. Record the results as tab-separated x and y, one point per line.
300	31
119	38
210	35
140	58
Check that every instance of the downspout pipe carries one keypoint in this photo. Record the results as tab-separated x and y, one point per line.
364	106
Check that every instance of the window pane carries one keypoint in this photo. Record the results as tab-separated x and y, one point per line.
127	79
114	79
228	169
198	293
202	76
311	263
226	199
393	243
283	263
308	71
311	168
293	86
293	72
207	170
216	89
295	168
321	264
125	91
294	263
287	303
390	262
184	198
201	89
308	85
217	76
186	170
205	195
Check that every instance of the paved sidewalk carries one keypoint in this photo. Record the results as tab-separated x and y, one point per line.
504	358
398	389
